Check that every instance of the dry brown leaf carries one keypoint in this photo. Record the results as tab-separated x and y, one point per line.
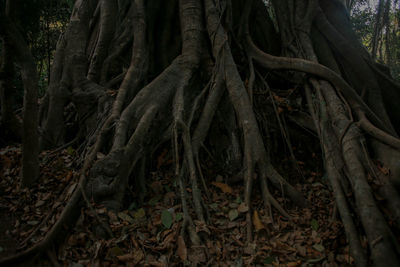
126	257
224	187
258	225
243	208
279	99
294	264
157	264
138	256
168	241
68	176
181	250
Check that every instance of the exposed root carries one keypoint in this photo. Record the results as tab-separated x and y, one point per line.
384	250
382	244
254	150
108	12
334	165
270	200
197	200
277	63
382	136
177	107
187	225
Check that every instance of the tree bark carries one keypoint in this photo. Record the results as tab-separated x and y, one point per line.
134	89
30	136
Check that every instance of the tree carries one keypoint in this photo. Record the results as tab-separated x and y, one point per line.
24	45
190	73
378	30
15	46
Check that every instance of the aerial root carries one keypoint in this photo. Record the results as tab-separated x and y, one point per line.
333	165
382	136
346	165
302	65
187	225
269	200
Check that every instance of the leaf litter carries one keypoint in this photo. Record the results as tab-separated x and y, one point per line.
149	233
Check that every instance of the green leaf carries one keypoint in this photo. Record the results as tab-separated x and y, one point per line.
115	251
313	261
238	200
166	218
178	216
319	247
233	214
70	151
214	206
269	260
1	249
139	213
314	224
153	201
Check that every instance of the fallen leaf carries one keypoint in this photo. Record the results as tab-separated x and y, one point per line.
101	211
258	225
250	249
140	213
166	218
69	176
70	151
181	250
238	200
269	260
39	203
178	216
125	217
169	240
126	257
243	208
233	214
214	206
100	155
115	251
112	217
319	247
224	187
294	264
314	224
157	264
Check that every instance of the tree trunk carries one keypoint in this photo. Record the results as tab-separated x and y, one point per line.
144	74
30	136
10	126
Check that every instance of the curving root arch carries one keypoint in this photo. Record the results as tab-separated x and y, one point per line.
184	70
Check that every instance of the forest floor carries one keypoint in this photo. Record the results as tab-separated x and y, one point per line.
148	234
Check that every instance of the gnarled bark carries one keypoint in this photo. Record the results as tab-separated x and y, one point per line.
153	90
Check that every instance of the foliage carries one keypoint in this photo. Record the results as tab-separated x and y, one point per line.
363	23
41	22
364	18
